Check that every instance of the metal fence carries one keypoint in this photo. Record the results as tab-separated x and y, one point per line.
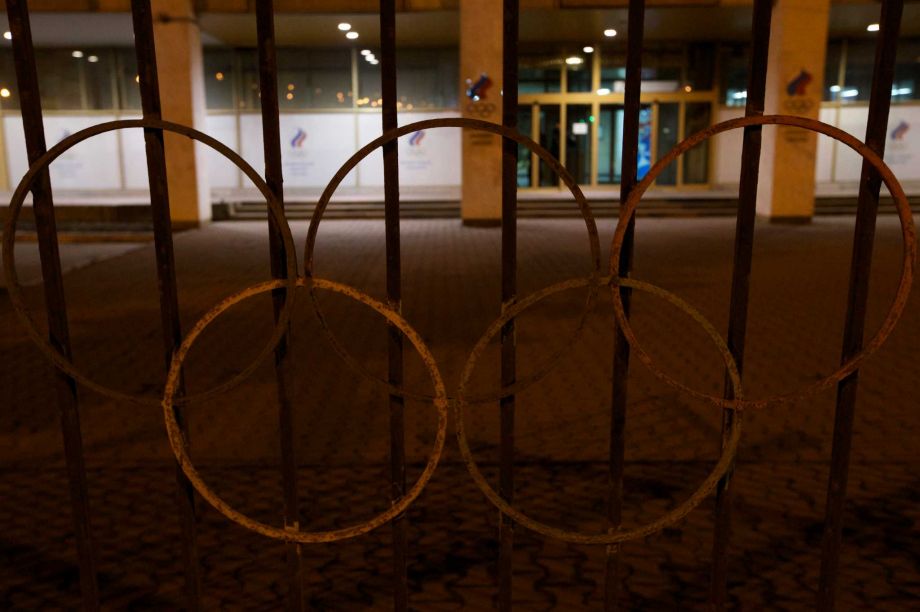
56	344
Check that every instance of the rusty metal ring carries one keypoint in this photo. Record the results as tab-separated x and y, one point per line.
61	361
179	444
895	310
485	126
617	535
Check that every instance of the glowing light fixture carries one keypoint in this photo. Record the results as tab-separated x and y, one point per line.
901	91
588	49
8	35
344	26
366	52
872	27
849	93
740	95
603	91
351	35
137	78
374	62
4	93
835	88
77	54
290	87
610	32
289	96
219	76
92	59
574	60
688	88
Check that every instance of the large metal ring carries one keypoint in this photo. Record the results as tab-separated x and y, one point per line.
894	312
619	535
59	359
179	443
485	126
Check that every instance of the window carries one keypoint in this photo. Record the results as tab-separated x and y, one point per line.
219	78
540	73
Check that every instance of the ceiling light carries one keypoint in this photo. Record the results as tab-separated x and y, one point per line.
574	60
374	62
740	95
901	91
4	93
344	26
835	88
92	59
603	91
351	35
289	96
366	52
688	88
8	35
849	93
610	32
76	54
370	57
588	49
872	27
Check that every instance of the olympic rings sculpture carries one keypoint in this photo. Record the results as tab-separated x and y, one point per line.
593	282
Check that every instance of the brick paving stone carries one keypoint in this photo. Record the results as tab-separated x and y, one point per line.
451	294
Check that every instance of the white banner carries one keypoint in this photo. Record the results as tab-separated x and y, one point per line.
92	164
313	146
429	157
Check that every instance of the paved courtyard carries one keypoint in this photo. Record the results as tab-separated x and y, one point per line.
451	294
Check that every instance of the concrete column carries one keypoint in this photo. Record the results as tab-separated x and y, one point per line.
481	54
798	44
181	73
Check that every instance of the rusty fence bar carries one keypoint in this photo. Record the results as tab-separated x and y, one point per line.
145	49
741	279
635	31
510	18
55	305
271	139
857	299
394	297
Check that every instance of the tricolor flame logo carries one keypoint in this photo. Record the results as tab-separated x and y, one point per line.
477	91
796	86
299	137
416	138
899	132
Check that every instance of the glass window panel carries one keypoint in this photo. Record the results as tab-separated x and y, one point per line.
734	60
9	94
525	158
701	60
666	138
578	76
427	78
129	89
578	142
540	73
696	161
610	144
219	78
98	68
832	71
549	140
662	68
59	79
314	78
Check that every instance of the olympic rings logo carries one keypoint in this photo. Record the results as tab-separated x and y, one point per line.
798	105
296	281
480	109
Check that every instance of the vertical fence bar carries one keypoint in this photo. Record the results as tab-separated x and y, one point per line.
271	138
635	32
55	306
510	18
741	279
394	296
145	49
857	299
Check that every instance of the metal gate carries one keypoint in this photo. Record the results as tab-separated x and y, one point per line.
617	279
